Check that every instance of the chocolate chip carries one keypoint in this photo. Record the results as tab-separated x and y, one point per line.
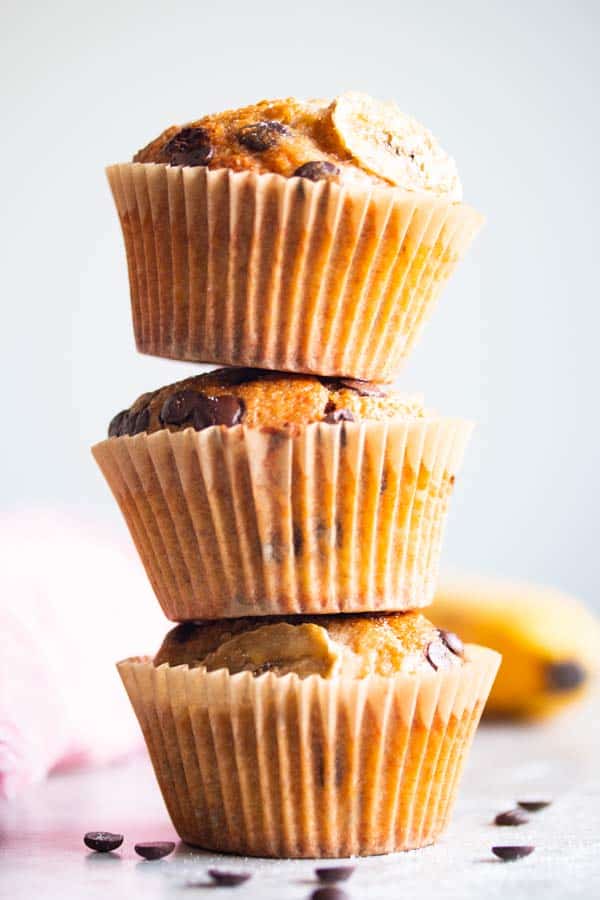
508	854
338	415
331	874
155	849
329	893
139	421
534	805
261	136
201	411
437	655
512	817
224	878
178	408
452	642
234	375
189	147
317	170
119	424
565	676
228	410
364	388
298	539
181	634
102	841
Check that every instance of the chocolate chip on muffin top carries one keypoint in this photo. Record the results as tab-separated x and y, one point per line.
353	139
260	399
354	645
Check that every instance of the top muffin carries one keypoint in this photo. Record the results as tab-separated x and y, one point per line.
353	139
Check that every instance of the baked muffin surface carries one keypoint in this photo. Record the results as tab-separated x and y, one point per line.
352	646
353	139
261	399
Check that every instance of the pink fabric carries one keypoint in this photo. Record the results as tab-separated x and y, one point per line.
73	601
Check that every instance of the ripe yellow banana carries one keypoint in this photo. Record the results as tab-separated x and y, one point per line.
550	643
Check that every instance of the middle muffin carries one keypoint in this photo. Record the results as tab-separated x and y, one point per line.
256	493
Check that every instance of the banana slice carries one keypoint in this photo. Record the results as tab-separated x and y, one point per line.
386	142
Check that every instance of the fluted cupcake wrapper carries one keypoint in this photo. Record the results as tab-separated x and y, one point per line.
238	521
285	767
283	273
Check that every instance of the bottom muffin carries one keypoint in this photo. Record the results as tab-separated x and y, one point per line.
310	736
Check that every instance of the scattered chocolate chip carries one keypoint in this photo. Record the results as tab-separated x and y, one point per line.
224	878
119	424
452	642
335	416
329	893
102	841
534	805
261	136
189	147
331	874
508	854
155	849
317	170
511	817
565	676
437	655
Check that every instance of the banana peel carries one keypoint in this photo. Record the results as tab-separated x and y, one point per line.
550	643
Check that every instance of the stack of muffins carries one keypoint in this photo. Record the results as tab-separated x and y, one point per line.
289	509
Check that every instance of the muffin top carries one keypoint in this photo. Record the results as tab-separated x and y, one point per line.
353	139
352	646
261	399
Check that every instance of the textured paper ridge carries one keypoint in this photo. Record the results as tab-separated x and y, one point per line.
243	269
240	521
279	766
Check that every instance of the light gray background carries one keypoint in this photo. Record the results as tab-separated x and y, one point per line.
511	91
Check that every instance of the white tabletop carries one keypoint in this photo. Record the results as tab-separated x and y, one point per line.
42	854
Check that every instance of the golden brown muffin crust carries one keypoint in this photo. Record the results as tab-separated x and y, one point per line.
261	399
354	645
353	139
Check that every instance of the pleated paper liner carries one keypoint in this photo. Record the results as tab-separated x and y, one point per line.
285	767
260	270
240	521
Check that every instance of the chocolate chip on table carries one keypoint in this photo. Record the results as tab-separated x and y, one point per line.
189	147
452	642
534	805
225	878
508	854
335	416
102	841
329	893
565	676
511	817
437	655
331	874
261	136
317	170
155	849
